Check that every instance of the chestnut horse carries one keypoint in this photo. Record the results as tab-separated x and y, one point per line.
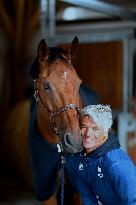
55	118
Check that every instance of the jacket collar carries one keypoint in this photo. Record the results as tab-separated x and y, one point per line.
110	144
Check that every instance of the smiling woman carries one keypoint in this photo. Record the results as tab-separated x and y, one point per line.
102	167
95	123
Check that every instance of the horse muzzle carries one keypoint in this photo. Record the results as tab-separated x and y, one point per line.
70	145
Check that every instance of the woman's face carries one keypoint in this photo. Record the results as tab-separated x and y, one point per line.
92	135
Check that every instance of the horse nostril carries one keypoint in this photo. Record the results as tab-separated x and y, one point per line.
67	140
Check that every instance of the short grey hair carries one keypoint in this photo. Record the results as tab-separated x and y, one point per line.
101	115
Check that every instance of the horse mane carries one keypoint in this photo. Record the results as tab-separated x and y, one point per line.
55	54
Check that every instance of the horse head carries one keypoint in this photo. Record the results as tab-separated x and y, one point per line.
57	93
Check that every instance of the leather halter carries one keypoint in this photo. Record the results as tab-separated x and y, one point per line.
56	113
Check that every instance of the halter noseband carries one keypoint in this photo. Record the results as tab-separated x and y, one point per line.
56	113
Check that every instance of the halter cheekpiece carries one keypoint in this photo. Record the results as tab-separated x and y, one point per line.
56	113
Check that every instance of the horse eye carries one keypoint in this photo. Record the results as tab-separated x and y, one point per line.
46	86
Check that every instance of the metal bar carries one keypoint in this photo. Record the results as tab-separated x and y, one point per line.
98	27
131	68
48	20
103	7
128	73
52	18
44	18
125	74
90	38
96	32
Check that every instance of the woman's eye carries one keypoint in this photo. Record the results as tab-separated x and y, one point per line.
95	128
46	86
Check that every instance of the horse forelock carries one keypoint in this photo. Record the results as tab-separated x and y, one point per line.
57	53
54	54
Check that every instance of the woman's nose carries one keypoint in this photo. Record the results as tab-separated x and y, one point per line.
83	131
89	131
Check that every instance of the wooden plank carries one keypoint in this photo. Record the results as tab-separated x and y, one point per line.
100	66
6	19
19	26
34	21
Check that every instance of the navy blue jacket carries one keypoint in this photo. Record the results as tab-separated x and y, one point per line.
44	157
106	174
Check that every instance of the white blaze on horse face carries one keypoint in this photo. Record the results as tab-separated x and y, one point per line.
65	74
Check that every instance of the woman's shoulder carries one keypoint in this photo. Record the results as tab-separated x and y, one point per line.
118	157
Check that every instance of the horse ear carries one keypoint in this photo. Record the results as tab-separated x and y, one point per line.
41	53
74	44
42	49
73	48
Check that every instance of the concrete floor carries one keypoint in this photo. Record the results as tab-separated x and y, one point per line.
21	202
12	193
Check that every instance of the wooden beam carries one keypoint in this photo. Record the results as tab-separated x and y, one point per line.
30	7
34	21
6	19
103	7
19	26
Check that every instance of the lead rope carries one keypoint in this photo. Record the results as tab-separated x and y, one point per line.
60	150
62	179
